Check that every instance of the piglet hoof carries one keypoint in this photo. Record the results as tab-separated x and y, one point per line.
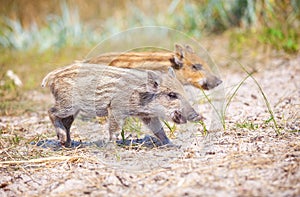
110	145
170	146
65	144
68	144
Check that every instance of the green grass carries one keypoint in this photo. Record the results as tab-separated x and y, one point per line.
205	131
17	107
172	129
247	125
279	38
276	127
274	22
132	125
274	38
222	113
60	31
229	100
31	67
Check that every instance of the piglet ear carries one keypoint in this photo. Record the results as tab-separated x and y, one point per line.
153	82
178	56
179	51
171	72
189	48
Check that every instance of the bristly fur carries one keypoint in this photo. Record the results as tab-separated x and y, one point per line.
183	60
99	90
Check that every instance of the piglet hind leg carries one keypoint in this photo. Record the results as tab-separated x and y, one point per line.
62	133
67	122
155	126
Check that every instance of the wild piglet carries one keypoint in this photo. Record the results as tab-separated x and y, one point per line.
100	90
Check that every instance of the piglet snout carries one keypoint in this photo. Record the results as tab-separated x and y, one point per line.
194	116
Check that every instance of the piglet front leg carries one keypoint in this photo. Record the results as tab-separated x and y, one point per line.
155	126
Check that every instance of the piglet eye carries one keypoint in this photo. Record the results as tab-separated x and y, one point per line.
155	85
172	95
197	66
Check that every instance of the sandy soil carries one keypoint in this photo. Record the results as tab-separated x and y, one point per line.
248	158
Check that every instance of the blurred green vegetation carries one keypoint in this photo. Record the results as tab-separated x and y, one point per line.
36	37
56	24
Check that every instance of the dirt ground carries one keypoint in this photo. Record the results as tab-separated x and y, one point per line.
248	158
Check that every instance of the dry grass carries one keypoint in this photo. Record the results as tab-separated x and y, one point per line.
242	160
247	159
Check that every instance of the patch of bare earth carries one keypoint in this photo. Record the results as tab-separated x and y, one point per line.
247	159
